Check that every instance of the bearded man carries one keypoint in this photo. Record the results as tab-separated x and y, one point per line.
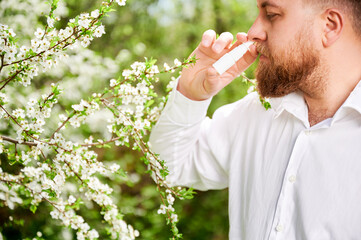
293	171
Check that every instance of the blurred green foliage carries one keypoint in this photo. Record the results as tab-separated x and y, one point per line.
164	30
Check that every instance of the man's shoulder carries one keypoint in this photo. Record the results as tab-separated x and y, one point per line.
249	105
241	116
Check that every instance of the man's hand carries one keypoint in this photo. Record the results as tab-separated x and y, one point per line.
202	81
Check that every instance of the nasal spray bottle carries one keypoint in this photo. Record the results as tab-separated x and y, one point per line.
229	59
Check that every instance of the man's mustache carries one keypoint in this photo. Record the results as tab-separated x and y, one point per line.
262	49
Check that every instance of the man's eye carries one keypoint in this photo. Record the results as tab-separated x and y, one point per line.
270	16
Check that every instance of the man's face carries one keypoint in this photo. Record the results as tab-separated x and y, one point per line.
289	61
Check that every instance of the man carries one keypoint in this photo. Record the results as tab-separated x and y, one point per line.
294	171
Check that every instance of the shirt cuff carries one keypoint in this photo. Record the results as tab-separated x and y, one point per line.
184	111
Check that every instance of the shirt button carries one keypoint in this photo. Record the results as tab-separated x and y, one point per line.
308	133
292	179
279	228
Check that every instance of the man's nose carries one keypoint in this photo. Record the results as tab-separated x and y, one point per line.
257	32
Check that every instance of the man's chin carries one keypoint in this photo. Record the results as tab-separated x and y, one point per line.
270	84
275	93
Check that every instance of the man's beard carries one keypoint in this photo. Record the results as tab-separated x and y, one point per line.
293	68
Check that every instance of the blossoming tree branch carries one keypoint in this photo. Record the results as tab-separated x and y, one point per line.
37	142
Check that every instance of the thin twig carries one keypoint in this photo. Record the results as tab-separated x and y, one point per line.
45	100
62	125
12	140
100	143
2	62
10	78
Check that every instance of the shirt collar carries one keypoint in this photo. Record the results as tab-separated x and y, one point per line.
354	100
295	104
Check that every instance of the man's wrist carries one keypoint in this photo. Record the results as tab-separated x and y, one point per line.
189	94
184	111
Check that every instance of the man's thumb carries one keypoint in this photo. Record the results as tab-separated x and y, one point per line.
212	81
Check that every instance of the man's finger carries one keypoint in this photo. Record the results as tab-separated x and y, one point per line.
211	82
242	37
247	59
224	41
208	38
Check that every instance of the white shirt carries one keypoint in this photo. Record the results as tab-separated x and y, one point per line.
286	180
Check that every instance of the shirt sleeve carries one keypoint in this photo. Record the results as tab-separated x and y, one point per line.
191	144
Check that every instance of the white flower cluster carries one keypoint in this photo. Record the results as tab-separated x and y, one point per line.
156	169
167	68
120	229
41	181
9	196
133	104
80	163
76	222
6	46
24	15
84	20
64	33
33	117
47	47
169	209
99	193
40	55
84	109
172	83
138	68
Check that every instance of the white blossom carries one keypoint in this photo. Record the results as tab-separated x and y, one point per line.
9	196
113	82
84	20
95	13
50	21
3	98
39	33
121	2
114	167
170	199
177	63
166	67
93	234
162	210
174	217
18	113
99	31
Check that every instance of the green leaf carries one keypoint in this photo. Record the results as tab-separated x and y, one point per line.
33	208
50	192
149	103
265	103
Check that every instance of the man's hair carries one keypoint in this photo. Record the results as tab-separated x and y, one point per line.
350	7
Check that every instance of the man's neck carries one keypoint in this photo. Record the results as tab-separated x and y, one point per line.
320	109
324	105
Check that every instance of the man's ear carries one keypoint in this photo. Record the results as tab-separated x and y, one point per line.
333	26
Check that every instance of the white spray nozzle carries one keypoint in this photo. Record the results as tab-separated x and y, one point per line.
229	59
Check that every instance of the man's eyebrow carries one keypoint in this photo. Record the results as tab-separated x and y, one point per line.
271	4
